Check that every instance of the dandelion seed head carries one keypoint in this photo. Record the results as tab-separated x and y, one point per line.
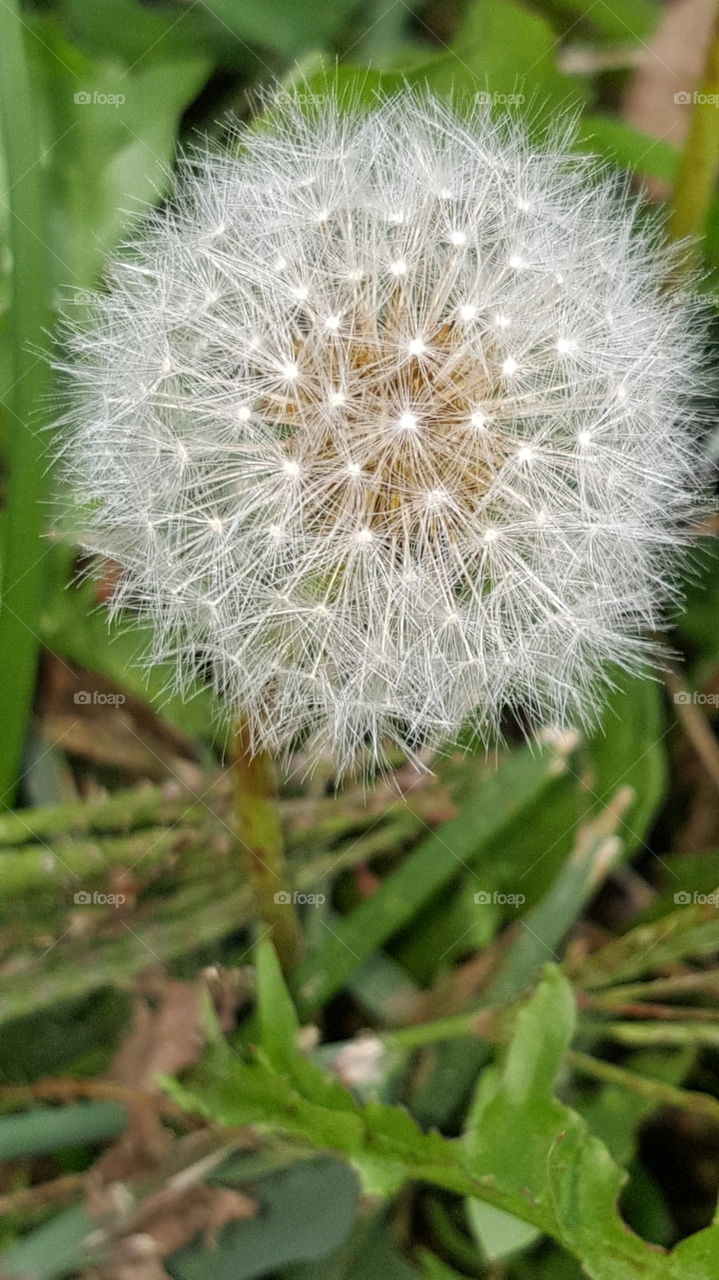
377	444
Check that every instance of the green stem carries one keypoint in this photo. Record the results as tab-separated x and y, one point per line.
654	1034
697	175
422	1034
662	1094
23	551
257	821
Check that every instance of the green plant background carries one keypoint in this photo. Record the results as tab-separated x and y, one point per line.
544	1100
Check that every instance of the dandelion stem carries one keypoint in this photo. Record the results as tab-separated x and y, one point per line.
259	831
696	179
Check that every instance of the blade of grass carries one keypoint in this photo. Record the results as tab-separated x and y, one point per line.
23	566
542	930
453	847
539	936
45	1129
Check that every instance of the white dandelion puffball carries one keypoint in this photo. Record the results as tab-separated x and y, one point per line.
384	420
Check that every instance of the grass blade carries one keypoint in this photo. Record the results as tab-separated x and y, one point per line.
23	561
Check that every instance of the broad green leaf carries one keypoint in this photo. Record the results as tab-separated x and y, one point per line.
697	1257
371	1253
503	49
523	1152
111	130
78	629
628	148
625	22
221	29
290	26
289	1226
497	1233
543	1151
131	31
348	84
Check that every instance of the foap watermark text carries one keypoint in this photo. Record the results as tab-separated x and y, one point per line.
686	99
285	898
484	898
83	898
685	696
95	698
84	98
685	899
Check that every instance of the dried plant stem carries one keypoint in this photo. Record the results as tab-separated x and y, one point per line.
695	724
257	821
698	169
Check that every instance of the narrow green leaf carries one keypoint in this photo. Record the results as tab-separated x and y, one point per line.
278	1020
443	855
54	1249
22	580
541	931
45	1129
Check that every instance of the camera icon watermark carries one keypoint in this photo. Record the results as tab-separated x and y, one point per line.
83	898
83	98
686	99
683	898
685	696
95	698
284	898
484	898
